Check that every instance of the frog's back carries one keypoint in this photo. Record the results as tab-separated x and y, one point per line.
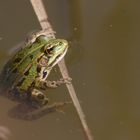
21	64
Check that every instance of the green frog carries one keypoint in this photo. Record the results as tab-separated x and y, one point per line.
24	76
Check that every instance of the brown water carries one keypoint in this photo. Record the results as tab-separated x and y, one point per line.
103	61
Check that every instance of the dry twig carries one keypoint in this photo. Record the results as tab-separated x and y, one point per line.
43	19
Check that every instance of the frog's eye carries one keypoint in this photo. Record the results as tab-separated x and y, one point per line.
49	50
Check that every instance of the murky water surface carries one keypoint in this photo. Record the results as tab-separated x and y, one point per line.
103	61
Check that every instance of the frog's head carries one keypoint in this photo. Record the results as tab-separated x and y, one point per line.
55	50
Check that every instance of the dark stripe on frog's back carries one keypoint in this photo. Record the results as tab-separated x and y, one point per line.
27	70
28	60
26	81
11	69
26	53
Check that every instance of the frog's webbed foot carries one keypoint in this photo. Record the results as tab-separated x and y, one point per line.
55	84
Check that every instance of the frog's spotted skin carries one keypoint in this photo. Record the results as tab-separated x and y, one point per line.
26	73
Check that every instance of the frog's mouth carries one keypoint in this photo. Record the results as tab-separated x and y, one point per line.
59	57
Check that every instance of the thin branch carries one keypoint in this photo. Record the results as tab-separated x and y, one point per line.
43	19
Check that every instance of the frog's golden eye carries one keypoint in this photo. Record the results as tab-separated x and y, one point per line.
49	50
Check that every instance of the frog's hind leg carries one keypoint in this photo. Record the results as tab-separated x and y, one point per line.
25	112
55	107
38	98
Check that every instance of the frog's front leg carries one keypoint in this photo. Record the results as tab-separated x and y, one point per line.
54	84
